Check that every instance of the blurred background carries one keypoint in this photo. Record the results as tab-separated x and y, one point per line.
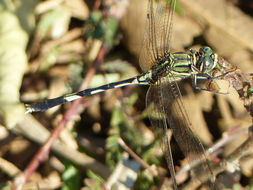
105	141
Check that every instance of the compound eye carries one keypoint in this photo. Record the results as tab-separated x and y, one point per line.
207	50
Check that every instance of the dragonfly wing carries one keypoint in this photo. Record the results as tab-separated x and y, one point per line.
158	31
159	121
168	103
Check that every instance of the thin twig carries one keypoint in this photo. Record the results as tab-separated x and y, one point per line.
226	138
136	157
226	164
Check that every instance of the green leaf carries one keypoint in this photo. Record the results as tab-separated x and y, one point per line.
95	176
144	182
114	151
71	177
101	27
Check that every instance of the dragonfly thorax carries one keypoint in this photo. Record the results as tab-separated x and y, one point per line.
162	67
173	66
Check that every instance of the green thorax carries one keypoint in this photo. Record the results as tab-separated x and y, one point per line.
174	65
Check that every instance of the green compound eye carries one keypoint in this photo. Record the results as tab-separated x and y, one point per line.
207	50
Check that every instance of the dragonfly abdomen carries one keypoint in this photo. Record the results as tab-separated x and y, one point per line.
49	103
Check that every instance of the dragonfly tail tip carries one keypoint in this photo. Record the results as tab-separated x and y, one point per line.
28	108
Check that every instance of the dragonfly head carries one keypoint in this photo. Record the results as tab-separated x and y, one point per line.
208	59
212	64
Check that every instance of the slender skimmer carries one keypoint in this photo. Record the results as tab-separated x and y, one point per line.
162	70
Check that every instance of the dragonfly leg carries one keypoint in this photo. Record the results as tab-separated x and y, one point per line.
207	76
221	75
195	85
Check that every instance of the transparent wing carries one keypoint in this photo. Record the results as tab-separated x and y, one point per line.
166	97
158	31
159	121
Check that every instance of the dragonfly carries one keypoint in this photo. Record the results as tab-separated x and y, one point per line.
162	70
